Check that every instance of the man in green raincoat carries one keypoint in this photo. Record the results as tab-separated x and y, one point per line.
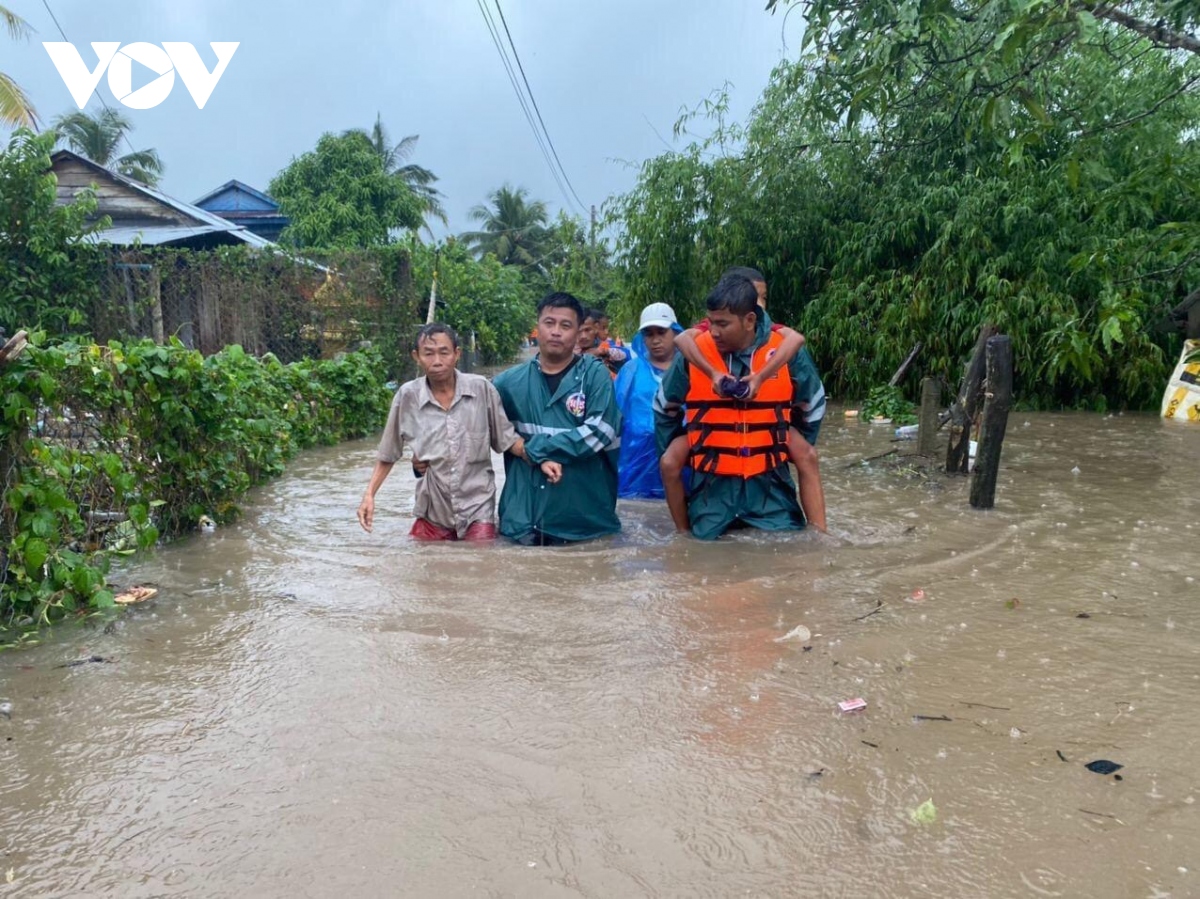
564	406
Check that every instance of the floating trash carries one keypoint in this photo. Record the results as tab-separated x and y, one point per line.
1103	766
925	813
852	705
799	632
140	593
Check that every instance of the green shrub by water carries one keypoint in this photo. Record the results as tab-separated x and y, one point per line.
105	450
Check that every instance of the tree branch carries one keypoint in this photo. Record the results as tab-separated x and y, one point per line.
1153	32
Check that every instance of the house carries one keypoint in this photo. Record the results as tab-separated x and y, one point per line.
243	205
144	215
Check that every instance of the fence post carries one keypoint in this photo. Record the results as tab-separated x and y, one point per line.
962	411
995	420
927	428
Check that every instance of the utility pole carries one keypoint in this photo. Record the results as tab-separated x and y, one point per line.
430	317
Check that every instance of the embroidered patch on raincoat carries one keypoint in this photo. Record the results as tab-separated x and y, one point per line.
577	404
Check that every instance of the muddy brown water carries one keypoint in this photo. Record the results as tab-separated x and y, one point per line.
309	710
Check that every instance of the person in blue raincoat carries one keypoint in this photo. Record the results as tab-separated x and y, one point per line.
637	383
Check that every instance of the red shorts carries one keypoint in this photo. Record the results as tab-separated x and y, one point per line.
478	530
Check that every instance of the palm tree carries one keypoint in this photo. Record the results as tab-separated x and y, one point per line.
419	179
513	227
15	108
99	137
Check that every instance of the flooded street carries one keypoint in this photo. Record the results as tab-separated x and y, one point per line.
309	710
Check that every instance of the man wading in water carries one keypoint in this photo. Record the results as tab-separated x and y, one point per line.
452	421
565	408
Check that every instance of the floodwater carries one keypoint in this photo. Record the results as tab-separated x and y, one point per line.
309	710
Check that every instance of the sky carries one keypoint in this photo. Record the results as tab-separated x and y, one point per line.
610	78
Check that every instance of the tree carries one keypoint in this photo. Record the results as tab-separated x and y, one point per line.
44	277
513	228
99	139
15	108
340	196
419	179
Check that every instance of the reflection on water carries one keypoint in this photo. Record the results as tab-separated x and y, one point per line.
307	709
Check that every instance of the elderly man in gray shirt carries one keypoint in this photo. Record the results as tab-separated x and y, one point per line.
452	421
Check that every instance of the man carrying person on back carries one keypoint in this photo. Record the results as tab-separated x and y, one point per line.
737	445
801	452
452	420
563	405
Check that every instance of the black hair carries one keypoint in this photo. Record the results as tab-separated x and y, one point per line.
594	314
427	331
561	300
735	293
750	274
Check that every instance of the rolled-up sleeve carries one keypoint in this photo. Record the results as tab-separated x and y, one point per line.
808	397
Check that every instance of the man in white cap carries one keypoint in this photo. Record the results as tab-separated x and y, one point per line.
637	383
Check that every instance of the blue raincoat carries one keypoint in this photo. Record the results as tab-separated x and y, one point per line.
637	383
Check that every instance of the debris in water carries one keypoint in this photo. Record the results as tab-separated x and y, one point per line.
1103	766
852	705
1061	757
206	525
1013	603
931	718
6	710
1083	615
851	413
1076	470
799	632
918	595
140	593
869	743
88	661
816	775
925	813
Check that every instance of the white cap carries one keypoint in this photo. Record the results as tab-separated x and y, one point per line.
658	315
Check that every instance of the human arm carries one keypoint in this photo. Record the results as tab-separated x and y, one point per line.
792	343
504	437
668	404
686	344
366	508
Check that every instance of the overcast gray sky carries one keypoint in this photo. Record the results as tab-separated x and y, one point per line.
602	71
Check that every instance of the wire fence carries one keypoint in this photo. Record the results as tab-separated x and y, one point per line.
291	307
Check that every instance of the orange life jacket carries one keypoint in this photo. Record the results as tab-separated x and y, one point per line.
733	437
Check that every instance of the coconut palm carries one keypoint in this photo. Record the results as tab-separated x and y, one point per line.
15	108
513	227
419	179
99	137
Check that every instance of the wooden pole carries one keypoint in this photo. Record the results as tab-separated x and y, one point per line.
995	420
899	374
962	412
931	403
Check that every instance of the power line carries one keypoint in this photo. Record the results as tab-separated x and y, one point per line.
512	80
533	100
494	31
103	102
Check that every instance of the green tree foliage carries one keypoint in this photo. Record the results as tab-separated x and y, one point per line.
512	228
341	196
1063	211
15	108
46	273
578	263
483	296
154	436
419	179
99	138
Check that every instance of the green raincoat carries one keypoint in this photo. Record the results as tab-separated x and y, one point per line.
578	426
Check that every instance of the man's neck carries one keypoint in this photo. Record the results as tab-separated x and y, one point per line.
554	366
443	390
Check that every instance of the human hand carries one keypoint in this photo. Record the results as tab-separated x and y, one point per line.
419	467
552	471
366	512
717	386
755	383
518	448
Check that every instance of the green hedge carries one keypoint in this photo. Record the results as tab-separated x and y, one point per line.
107	449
